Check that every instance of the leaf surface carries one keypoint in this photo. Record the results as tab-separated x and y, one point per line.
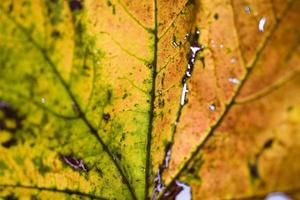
93	103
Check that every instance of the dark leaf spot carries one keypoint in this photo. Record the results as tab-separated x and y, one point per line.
189	2
55	34
106	116
268	143
99	171
172	192
109	95
9	143
75	5
10	197
12	114
253	169
11	7
119	156
216	16
191	170
124	96
113	7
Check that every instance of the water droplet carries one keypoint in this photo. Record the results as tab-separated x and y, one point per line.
261	24
174	42
234	81
43	100
277	196
213	44
233	60
187	36
188	74
221	46
183	94
212	107
247	9
195	49
185	193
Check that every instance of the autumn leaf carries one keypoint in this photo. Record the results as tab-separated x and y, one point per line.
138	99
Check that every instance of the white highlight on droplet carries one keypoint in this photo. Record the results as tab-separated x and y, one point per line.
261	24
212	107
232	60
167	158
183	94
186	36
247	9
277	196
213	44
188	74
234	81
195	49
221	46
185	194
43	100
174	44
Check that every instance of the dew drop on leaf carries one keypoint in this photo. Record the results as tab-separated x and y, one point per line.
212	107
234	81
187	36
183	94
277	196
261	24
212	43
233	60
247	9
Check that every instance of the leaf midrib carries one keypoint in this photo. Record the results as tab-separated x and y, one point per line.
152	102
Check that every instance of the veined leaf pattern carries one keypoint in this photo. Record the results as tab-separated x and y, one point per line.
100	99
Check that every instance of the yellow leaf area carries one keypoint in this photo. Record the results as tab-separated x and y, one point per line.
74	104
92	98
